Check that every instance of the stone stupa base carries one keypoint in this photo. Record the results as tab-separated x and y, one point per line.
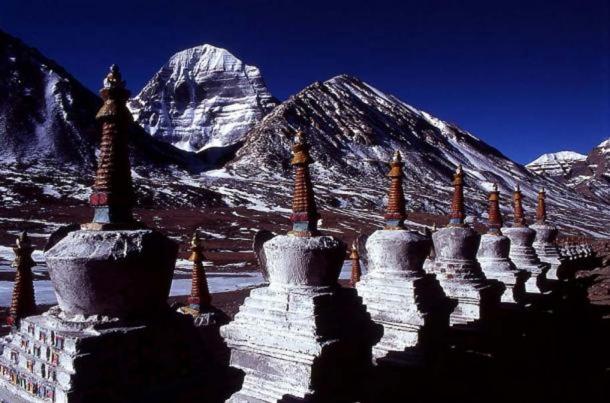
478	297
524	256
548	253
504	271
546	249
414	312
58	358
304	342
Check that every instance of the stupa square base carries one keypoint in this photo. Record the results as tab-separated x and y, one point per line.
504	271
478	297
300	341
413	310
65	359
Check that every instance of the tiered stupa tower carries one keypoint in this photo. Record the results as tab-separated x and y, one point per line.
199	301
546	235
456	266
522	253
112	336
303	336
356	271
493	254
398	294
23	303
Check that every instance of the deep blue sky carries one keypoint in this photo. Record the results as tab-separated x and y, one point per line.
527	77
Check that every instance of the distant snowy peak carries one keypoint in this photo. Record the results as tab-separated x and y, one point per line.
202	97
555	164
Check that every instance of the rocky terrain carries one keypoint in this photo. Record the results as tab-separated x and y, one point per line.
202	98
592	176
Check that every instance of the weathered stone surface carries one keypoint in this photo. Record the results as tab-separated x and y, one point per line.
546	249
493	256
304	261
303	336
62	358
461	277
115	273
409	304
524	257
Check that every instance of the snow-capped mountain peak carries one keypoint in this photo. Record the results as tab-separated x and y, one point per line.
555	164
203	97
604	145
204	58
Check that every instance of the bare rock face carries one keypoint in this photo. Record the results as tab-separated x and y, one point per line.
461	276
303	336
493	256
203	97
409	304
524	257
113	273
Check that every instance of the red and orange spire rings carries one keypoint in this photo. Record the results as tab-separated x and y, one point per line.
356	270
518	207
200	297
112	195
495	215
457	202
541	207
395	214
304	212
23	302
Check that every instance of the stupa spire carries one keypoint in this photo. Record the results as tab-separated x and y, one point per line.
457	202
495	215
200	297
518	207
395	214
23	302
356	270
304	213
112	196
541	207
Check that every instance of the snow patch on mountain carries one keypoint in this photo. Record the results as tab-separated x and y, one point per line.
203	97
555	164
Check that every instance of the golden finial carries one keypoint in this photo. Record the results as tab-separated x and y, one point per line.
397	157
300	150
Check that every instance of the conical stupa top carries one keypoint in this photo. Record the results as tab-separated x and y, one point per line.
112	196
23	302
495	215
395	213
518	207
541	207
304	212
457	202
200	297
356	270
